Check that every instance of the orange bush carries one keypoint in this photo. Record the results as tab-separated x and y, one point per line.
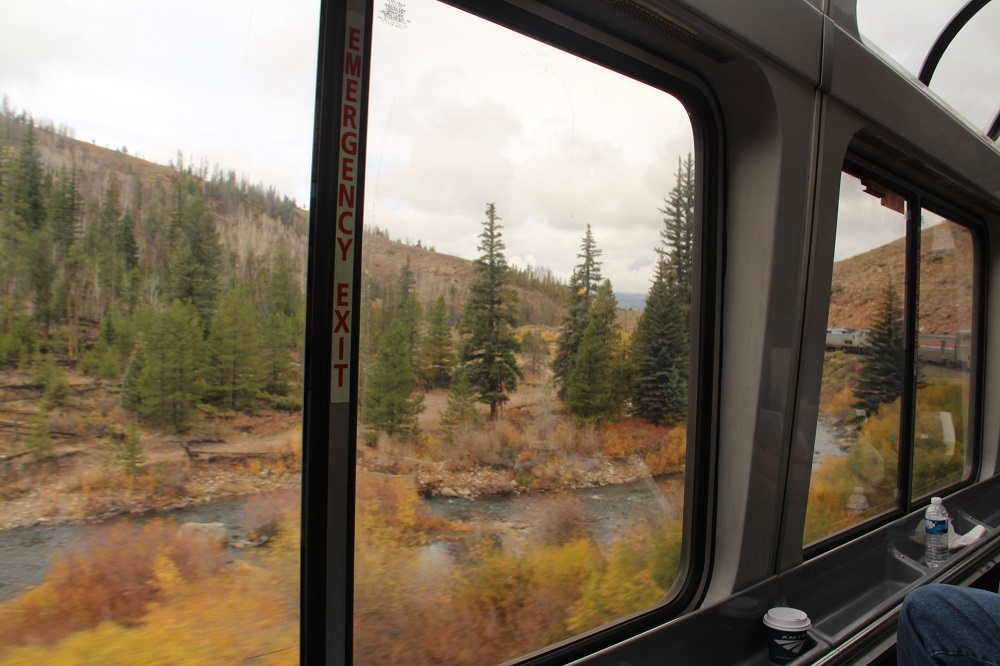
109	579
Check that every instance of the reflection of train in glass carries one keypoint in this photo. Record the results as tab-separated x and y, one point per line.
953	350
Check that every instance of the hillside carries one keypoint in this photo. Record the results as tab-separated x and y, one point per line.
250	219
946	282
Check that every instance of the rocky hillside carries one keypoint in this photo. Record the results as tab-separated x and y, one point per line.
859	282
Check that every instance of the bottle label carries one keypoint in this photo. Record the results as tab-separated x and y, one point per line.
936	526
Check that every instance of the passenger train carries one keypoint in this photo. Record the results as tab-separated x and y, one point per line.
794	112
952	350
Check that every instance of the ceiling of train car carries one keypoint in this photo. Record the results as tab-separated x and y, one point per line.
965	34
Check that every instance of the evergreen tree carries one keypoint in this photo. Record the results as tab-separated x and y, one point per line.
237	372
64	212
131	395
677	235
597	383
40	442
488	348
880	381
172	378
28	182
661	341
277	364
461	409
407	308
583	284
130	454
660	354
437	353
195	252
388	404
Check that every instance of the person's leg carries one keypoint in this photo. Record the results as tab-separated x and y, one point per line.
946	625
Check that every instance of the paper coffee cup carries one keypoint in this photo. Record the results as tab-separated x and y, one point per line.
786	634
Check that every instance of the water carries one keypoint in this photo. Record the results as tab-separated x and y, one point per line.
607	510
27	552
828	443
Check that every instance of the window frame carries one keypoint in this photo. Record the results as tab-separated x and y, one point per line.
913	187
328	463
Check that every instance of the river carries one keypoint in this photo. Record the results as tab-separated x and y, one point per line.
26	552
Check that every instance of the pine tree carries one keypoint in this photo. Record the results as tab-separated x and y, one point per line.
677	235
131	395
437	351
880	381
172	380
130	454
597	383
237	372
195	252
660	354
388	404
583	284
29	186
40	442
488	348
64	212
661	341
407	308
461	409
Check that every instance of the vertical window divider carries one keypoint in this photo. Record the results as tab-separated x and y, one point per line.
911	303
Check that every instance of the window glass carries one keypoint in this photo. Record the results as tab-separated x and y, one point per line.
524	343
944	354
855	469
154	163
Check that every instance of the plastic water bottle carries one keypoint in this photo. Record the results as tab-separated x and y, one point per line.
936	539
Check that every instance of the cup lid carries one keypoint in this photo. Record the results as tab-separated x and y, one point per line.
791	619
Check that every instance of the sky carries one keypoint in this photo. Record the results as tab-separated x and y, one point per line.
554	142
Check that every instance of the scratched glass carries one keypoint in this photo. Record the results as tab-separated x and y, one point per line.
511	494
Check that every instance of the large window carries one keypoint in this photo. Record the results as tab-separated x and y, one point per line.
154	169
525	344
894	406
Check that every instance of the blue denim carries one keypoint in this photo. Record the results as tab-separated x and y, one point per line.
947	625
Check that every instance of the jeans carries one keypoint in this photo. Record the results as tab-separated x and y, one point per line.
947	625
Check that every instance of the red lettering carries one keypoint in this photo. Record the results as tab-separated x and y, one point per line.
349	143
343	292
340	367
352	65
345	196
340	223
342	323
344	247
349	117
347	169
351	92
354	39
342	344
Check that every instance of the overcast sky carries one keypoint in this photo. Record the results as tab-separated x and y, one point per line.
555	142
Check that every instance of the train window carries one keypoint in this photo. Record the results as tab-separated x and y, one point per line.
856	451
864	413
944	338
526	317
154	169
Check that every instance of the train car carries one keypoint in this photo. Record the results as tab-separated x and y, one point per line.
850	340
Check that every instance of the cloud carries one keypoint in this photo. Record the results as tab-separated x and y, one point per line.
464	113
